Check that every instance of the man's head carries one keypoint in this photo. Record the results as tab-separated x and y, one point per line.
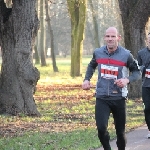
112	38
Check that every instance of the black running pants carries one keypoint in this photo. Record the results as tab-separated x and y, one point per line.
146	101
103	108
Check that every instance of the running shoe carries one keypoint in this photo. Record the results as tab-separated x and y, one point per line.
148	135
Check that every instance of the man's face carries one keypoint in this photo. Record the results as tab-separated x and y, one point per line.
111	38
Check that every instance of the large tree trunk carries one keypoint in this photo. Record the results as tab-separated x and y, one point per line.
135	15
18	76
77	11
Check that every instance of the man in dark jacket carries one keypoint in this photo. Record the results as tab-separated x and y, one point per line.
144	63
113	63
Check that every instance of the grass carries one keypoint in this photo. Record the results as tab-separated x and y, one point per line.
67	115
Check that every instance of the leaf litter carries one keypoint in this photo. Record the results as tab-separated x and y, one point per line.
63	108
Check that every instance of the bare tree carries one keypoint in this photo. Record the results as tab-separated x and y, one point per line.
35	48
48	20
77	11
41	41
95	22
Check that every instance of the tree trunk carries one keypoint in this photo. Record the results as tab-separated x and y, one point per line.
77	10
135	15
55	68
41	35
36	54
18	75
95	22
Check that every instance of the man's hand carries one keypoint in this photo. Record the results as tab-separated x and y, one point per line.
86	85
122	82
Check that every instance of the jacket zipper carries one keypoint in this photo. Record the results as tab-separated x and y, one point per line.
108	79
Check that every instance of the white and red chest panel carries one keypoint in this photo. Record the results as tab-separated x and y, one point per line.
147	73
109	72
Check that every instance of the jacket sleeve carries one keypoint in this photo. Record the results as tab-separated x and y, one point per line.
134	68
91	68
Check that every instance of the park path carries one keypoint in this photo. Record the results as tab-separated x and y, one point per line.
136	140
